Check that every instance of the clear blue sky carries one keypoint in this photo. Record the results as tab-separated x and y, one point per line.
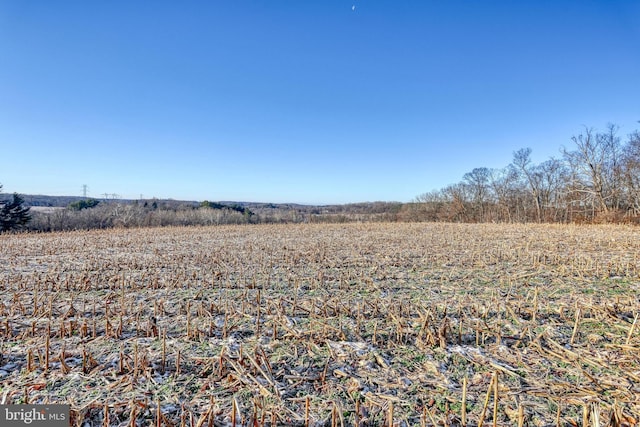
301	101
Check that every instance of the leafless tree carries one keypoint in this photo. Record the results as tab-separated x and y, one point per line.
503	184
591	164
551	177
524	167
459	199
631	172
477	182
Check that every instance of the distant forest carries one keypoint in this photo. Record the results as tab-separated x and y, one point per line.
596	180
53	213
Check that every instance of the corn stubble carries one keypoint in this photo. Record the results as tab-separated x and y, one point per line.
309	325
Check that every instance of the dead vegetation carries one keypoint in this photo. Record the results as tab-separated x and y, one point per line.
359	324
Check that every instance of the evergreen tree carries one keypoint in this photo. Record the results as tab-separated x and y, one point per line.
13	215
84	204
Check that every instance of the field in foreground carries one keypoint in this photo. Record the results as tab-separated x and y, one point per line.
421	324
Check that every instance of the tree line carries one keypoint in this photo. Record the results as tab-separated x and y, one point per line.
94	214
84	214
596	180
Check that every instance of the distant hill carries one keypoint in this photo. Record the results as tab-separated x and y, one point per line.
64	201
364	208
44	200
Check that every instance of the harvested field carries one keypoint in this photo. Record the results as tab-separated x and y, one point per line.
360	324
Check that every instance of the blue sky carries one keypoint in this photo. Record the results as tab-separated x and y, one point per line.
301	101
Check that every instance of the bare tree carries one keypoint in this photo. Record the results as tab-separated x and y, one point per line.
630	171
522	164
428	206
478	183
459	198
591	166
610	141
503	183
551	177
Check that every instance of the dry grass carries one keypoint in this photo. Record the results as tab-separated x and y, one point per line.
370	324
